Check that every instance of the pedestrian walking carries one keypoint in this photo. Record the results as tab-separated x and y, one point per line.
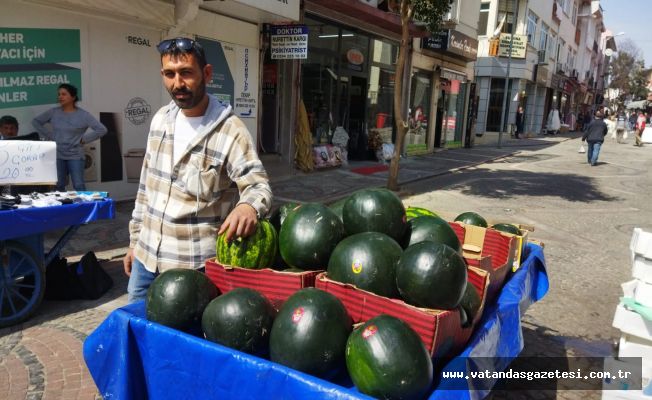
640	127
611	126
520	121
196	148
68	125
594	136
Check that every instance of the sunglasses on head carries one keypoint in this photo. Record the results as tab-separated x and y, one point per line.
183	44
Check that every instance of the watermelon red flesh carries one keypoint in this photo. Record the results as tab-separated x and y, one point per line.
254	252
387	359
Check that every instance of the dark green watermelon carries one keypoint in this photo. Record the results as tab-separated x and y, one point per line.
431	275
433	229
375	210
465	322
177	298
308	236
338	207
471	218
278	215
509	228
413	212
471	301
309	333
253	252
386	359
277	218
240	319
368	261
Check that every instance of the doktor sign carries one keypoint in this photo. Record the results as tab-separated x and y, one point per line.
34	62
289	42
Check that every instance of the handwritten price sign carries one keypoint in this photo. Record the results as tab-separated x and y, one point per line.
27	162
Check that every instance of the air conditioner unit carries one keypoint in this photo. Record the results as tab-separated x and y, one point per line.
543	60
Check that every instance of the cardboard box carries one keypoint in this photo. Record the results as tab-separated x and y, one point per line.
634	346
490	250
440	330
643	293
277	286
641	243
621	388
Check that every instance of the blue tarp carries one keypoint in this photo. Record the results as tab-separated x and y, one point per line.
29	221
132	358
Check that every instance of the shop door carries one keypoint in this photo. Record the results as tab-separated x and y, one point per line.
269	123
356	116
439	124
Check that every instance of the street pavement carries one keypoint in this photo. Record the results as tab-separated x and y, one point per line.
585	216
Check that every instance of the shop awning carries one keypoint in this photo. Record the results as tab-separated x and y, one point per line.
635	105
367	14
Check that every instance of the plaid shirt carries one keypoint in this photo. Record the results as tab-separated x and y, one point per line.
179	207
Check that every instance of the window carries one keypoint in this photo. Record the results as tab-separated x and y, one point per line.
451	15
560	53
574	17
484	18
531	27
506	10
543	38
552	45
567	6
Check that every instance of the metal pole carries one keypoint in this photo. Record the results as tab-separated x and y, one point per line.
509	64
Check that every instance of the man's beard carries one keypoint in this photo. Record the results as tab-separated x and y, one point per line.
190	101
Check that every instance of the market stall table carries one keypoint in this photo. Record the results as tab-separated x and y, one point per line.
22	255
132	358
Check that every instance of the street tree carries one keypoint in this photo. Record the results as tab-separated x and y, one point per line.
430	13
628	73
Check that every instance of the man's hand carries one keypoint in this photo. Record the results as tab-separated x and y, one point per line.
128	261
241	222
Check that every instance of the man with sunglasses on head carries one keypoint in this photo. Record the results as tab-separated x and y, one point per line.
196	148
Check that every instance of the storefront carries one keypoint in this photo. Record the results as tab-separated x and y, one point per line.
109	53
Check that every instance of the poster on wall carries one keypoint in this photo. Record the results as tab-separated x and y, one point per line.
34	62
235	75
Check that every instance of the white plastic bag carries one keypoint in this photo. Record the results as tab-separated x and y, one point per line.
388	151
581	149
625	135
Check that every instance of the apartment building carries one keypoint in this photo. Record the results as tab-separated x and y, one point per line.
556	61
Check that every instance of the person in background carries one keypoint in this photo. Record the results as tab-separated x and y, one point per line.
611	126
520	121
633	116
594	136
640	127
8	127
621	126
196	148
68	125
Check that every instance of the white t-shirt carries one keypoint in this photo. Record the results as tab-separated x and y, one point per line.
185	129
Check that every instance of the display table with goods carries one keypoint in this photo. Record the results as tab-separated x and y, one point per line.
131	357
22	254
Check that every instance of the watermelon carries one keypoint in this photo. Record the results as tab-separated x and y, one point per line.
470	302
386	359
240	319
433	229
413	212
253	252
177	298
338	207
368	261
431	275
375	210
278	216
471	218
309	333
308	236
509	228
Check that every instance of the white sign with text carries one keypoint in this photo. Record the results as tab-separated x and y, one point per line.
25	162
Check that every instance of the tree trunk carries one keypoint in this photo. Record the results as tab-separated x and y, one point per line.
401	126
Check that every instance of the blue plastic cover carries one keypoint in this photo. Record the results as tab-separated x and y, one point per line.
29	221
132	358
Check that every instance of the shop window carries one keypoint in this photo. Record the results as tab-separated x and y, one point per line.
484	18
